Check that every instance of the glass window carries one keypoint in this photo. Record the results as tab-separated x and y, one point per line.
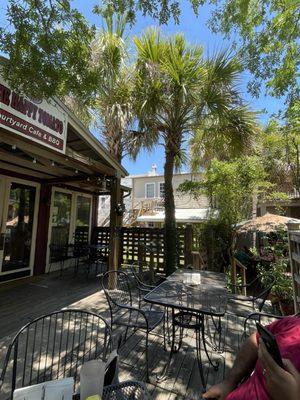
19	227
149	191
162	189
61	218
83	211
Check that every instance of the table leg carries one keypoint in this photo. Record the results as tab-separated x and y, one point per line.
200	321
216	364
218	330
165	371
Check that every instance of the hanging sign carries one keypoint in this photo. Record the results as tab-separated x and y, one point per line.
42	121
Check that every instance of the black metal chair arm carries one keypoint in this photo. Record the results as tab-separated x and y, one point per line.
144	290
237	297
257	316
243	286
147	287
261	314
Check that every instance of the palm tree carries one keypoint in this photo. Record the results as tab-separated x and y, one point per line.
179	93
110	109
113	104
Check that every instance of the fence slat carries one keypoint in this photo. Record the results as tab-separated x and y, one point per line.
132	239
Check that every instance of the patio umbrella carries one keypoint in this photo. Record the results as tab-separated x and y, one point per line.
267	223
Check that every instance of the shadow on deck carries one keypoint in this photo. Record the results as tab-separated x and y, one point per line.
25	300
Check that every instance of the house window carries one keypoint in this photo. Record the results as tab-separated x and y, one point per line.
150	190
162	190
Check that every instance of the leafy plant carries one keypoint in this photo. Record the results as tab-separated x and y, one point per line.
230	186
214	240
239	282
276	243
283	287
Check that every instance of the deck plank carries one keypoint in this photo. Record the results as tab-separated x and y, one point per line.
40	295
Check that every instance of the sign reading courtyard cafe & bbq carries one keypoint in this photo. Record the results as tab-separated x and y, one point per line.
41	121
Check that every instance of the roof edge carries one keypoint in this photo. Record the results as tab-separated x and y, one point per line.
82	129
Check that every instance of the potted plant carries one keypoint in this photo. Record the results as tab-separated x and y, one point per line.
282	291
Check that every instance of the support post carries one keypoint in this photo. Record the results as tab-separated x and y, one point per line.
294	253
115	225
188	245
40	260
233	273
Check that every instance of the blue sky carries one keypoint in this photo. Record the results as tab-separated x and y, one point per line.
196	32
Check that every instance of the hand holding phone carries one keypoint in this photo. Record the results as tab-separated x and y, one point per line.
271	344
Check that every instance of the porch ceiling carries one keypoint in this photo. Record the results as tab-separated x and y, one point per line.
48	166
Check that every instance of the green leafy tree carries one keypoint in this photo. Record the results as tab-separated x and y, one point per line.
266	31
280	151
229	186
178	91
48	49
50	41
268	36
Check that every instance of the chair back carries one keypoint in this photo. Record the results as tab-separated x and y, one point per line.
117	288
58	252
138	273
141	274
54	346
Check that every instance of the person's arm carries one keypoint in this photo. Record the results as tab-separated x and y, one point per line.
281	383
242	368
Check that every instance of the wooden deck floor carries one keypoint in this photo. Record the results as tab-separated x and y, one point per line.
24	300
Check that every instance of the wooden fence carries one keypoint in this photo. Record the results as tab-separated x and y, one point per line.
294	243
146	244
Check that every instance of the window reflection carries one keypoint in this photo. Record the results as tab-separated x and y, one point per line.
61	216
18	233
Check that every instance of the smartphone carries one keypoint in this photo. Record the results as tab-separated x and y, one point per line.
270	343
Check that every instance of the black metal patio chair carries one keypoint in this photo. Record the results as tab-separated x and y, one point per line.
58	253
80	253
117	289
98	258
54	346
257	317
255	302
128	390
140	282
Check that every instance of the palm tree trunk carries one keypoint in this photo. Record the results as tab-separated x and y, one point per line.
170	222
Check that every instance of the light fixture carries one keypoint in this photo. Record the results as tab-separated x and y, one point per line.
34	161
103	185
13	147
88	179
53	163
76	171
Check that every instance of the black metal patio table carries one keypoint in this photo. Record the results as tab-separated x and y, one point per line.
189	304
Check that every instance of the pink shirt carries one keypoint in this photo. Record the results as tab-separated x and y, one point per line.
287	333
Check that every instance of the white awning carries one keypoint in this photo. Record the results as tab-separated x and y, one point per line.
182	215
